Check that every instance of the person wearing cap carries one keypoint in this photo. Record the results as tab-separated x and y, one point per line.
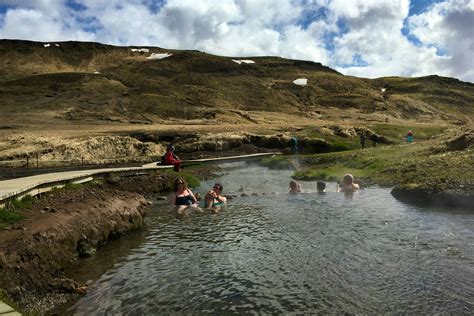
172	159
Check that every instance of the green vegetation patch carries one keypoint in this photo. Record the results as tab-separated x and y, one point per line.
397	133
338	143
9	214
410	165
277	162
170	176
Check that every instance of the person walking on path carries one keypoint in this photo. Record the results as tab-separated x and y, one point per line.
362	140
409	136
374	138
294	145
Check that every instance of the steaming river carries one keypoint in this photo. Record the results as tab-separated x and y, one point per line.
279	253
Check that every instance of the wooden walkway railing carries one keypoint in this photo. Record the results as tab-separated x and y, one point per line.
17	188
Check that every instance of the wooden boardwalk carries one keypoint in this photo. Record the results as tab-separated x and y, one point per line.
40	183
7	310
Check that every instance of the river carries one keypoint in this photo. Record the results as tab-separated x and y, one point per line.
278	253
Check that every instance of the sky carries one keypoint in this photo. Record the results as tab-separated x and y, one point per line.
363	38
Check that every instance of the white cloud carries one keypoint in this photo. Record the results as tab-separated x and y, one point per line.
371	44
35	25
449	26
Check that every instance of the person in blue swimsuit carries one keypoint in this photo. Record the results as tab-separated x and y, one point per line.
183	197
214	200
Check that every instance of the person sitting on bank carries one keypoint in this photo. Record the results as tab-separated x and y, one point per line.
183	197
295	187
348	184
172	159
214	200
362	140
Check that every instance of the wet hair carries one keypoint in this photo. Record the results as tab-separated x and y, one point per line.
293	184
320	186
219	186
178	181
348	178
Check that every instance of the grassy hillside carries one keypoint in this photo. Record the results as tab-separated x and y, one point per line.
84	81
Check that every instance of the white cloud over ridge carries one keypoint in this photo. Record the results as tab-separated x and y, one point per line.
366	38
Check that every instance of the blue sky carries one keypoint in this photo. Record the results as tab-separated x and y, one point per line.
365	38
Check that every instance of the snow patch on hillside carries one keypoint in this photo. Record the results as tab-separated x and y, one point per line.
244	61
140	50
301	81
158	56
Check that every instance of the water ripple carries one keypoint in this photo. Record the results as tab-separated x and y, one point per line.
283	254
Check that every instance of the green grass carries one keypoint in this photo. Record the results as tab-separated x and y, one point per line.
9	214
414	165
8	217
278	163
397	133
6	299
189	176
338	143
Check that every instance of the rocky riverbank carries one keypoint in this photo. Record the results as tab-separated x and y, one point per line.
64	226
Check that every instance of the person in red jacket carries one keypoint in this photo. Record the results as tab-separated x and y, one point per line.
172	159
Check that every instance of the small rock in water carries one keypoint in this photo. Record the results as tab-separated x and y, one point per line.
81	289
161	198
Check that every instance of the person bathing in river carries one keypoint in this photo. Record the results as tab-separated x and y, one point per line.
214	200
348	184
183	197
295	187
321	187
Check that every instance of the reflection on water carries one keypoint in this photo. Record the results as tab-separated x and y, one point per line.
280	253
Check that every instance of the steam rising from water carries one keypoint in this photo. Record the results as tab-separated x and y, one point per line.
280	253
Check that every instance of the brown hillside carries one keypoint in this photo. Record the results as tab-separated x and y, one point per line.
89	81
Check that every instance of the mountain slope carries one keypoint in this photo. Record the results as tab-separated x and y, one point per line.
90	81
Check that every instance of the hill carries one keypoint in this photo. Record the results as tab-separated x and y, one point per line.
83	82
